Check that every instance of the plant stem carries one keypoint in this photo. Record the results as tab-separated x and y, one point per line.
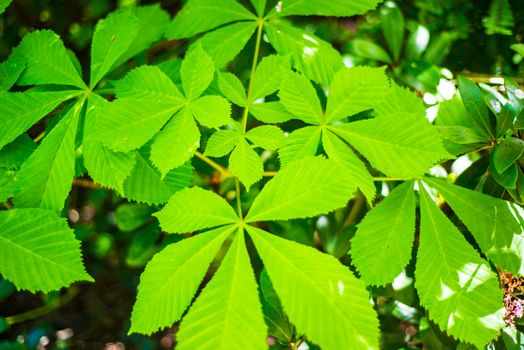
252	75
42	310
355	211
387	179
223	172
269	173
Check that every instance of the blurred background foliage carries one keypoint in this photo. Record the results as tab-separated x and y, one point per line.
425	45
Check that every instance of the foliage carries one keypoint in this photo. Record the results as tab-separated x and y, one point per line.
276	193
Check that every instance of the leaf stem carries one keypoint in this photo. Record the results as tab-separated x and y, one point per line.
252	75
269	173
42	310
387	179
223	172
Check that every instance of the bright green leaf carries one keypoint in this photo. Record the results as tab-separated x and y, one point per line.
231	87
507	152
322	8
38	251
456	286
268	76
300	274
392	24
231	307
268	137
222	142
355	90
148	82
299	97
474	103
212	111
270	112
300	143
194	209
385	236
197	73
160	300
246	164
307	187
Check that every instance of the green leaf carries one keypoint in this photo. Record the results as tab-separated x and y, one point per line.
38	251
176	143
222	142
301	274
10	71
20	110
7	184
113	36
270	112
439	48
13	155
355	90
341	153
518	48
131	122
212	111
105	166
300	143
160	300
246	164
340	8
268	76
474	103
385	236
369	50
152	24
299	97
231	307
148	82
460	135
260	7
224	44
202	15
507	152
399	145
307	187
47	60
277	321
129	217
44	181
496	225
392	24
507	178
143	246
457	287
316	58
500	19
231	87
197	73
146	185
400	100
4	4
417	42
193	209
268	137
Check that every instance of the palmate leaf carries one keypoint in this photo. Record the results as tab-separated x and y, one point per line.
147	185
161	301
246	164
355	90
268	76
300	143
317	59
305	188
113	36
44	181
230	306
323	8
299	97
222	143
224	44
38	251
197	72
212	111
270	112
176	142
340	152
148	82
231	87
193	209
301	274
385	236
400	99
453	282
10	71
131	122
13	155
47	60
496	225
202	15
105	166
260	6
400	145
266	136
20	110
